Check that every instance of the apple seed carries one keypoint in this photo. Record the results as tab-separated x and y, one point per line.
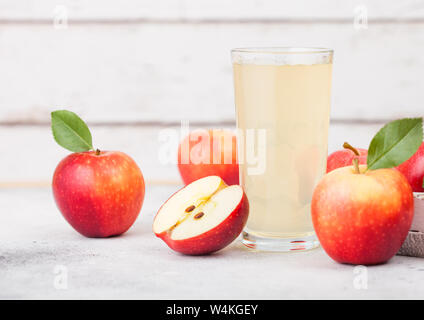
199	215
190	209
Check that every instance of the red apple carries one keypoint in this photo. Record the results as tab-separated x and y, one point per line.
344	158
362	218
203	217
413	169
99	194
209	152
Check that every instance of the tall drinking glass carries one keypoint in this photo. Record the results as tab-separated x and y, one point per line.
282	98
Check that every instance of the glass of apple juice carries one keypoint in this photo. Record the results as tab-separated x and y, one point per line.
282	98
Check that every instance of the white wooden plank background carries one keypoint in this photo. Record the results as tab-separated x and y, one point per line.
236	10
166	73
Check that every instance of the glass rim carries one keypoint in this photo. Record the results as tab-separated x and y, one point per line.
282	50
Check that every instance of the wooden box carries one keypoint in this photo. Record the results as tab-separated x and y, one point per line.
414	243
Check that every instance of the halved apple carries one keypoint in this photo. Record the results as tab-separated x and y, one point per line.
203	217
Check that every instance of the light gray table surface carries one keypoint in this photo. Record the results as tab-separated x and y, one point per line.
37	246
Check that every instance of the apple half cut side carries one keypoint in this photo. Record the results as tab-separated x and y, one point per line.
203	217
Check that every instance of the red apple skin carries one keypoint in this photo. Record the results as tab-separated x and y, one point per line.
344	158
215	239
413	170
362	218
99	195
229	172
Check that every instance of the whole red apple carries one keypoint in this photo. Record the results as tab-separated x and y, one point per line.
362	218
344	158
413	170
203	217
100	194
208	152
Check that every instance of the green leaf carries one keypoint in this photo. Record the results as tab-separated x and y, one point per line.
70	131
395	143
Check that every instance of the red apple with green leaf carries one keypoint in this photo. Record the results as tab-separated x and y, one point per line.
206	153
362	214
100	193
203	217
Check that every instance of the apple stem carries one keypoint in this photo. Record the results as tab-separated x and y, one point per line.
348	146
97	152
355	161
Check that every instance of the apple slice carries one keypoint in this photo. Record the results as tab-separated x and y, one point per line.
203	217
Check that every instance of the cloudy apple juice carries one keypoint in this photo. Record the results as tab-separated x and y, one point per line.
289	100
